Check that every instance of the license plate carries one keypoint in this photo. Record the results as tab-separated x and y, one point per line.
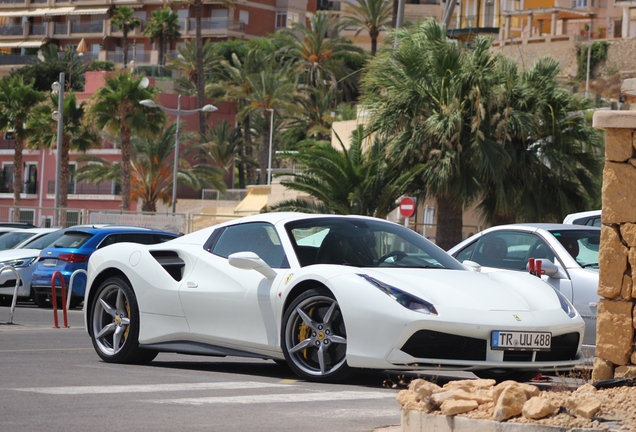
520	341
50	262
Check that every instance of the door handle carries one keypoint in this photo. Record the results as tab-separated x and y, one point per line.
593	305
192	284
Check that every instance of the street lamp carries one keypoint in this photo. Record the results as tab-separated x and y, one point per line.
271	130
179	112
58	87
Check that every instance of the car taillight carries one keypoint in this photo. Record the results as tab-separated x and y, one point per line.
72	258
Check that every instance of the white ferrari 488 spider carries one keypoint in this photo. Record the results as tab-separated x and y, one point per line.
327	295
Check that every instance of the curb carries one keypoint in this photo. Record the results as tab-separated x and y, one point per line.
419	421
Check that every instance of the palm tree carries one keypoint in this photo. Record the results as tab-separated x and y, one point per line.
75	135
359	180
273	89
18	98
216	153
431	96
186	63
125	20
371	15
115	107
163	26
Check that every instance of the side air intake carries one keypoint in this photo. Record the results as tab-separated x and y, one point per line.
171	263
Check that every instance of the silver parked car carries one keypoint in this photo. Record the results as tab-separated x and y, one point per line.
571	249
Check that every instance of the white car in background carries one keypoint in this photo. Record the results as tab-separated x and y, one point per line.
589	218
21	258
572	252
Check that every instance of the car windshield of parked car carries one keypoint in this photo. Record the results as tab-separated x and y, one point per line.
72	239
11	239
581	244
364	243
43	241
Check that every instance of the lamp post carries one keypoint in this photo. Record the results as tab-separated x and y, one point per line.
59	116
178	112
271	131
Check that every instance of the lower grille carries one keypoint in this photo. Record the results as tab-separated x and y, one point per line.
564	347
517	356
432	344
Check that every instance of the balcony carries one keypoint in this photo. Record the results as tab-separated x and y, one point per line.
140	57
87	27
12	2
37	29
215	25
27	187
60	29
11	59
11	30
103	188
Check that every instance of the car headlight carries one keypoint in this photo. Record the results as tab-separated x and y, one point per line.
18	263
565	303
407	300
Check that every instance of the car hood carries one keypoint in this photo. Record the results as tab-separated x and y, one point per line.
13	254
510	291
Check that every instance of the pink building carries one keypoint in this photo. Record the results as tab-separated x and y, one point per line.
39	170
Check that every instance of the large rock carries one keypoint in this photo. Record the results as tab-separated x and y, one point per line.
603	370
538	408
619	201
618	145
529	389
510	403
626	290
625	372
423	388
628	232
452	407
612	258
583	406
438	398
614	331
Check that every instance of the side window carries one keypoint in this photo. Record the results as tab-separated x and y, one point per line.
109	240
510	250
260	238
465	253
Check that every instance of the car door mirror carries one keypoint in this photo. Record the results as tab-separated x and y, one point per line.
549	269
251	261
472	266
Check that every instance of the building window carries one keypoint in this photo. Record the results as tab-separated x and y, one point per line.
286	19
9	135
579	3
244	17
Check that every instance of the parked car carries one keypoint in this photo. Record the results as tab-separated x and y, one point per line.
71	252
327	295
589	218
572	249
17	225
14	239
22	257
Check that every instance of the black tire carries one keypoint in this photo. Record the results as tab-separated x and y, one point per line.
114	324
6	300
41	300
75	302
500	375
314	338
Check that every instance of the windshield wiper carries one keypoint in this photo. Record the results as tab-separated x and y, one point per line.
589	265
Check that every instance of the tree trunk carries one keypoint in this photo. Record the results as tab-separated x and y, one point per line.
396	4
149	206
200	78
503	219
125	168
264	154
161	61
250	172
374	41
125	45
64	178
449	222
17	175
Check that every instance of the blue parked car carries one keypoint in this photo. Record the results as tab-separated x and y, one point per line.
71	252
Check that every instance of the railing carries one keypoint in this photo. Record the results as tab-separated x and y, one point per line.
14	59
11	30
12	1
60	29
229	195
216	24
118	56
103	188
91	27
328	5
27	187
38	29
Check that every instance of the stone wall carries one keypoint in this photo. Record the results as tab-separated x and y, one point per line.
616	320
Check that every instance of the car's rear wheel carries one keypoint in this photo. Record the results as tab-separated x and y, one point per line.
114	320
500	375
314	338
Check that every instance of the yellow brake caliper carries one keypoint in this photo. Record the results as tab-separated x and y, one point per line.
304	331
128	326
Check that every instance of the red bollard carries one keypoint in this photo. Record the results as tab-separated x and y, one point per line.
539	264
531	266
54	300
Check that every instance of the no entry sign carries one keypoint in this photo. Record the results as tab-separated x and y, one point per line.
407	207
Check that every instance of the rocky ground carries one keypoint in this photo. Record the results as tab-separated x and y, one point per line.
562	405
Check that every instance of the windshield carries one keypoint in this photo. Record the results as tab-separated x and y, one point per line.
11	239
581	244
364	243
44	241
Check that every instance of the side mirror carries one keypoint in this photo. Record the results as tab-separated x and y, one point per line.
472	266
251	261
549	269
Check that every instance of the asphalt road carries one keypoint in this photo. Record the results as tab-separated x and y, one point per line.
52	380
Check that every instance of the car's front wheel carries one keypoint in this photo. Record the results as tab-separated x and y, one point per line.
114	324
314	338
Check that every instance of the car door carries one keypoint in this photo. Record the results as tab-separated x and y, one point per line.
231	306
